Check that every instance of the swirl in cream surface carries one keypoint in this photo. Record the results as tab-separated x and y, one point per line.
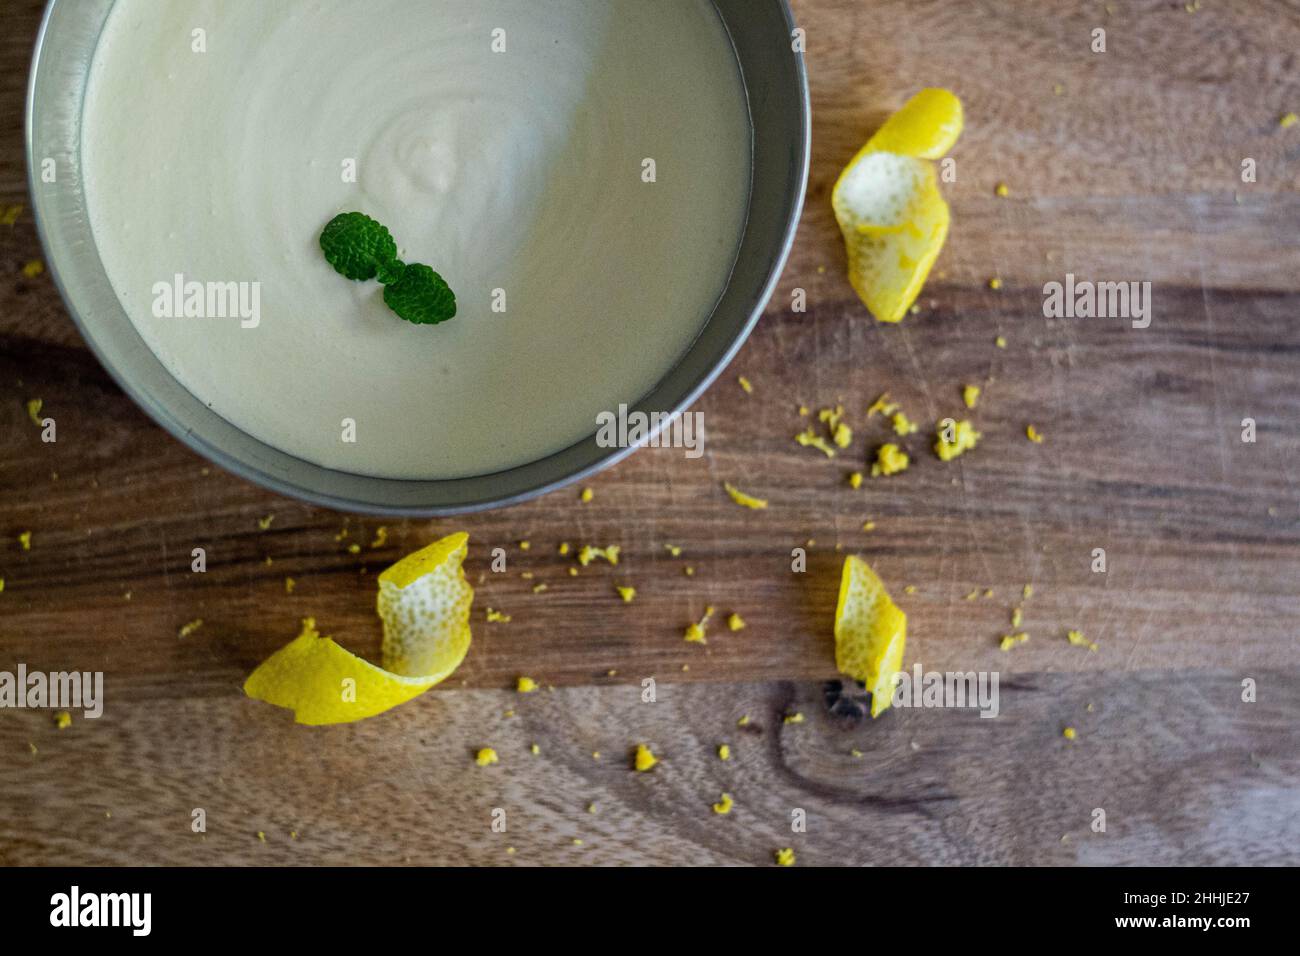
503	143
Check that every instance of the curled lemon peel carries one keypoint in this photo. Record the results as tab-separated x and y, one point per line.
424	604
870	632
888	205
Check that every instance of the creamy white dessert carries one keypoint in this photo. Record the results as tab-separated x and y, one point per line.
505	144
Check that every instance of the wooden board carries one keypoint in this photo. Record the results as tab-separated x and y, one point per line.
1121	166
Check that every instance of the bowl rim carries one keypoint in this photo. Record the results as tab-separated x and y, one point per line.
792	203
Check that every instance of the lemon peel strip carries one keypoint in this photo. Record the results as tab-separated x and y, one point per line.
424	604
888	205
870	632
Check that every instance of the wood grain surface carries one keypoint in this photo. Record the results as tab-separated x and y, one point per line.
1121	166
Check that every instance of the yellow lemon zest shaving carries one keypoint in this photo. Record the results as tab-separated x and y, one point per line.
695	633
1078	640
890	460
644	759
1011	640
588	553
964	437
902	424
810	439
882	406
744	500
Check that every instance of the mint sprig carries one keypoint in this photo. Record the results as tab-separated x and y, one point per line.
361	249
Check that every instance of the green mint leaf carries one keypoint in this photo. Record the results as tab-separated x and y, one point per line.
421	296
357	246
390	272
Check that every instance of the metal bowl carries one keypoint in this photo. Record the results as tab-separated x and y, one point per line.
777	88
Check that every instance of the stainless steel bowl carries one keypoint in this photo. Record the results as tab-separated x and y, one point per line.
777	88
